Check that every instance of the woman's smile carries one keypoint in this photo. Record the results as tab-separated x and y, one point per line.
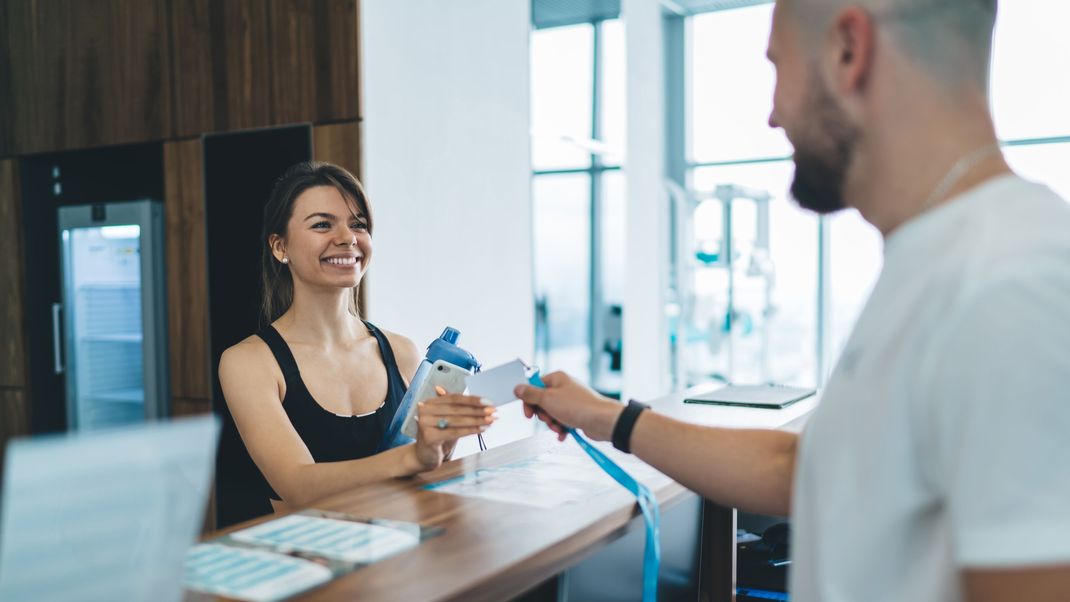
344	262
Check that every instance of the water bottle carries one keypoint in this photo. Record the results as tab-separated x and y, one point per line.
443	348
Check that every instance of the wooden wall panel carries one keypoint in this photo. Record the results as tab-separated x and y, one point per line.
14	419
315	60
12	341
187	278
222	65
140	63
338	143
191	35
295	41
190	407
7	124
101	72
87	73
26	116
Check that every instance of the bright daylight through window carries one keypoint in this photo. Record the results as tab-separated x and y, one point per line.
767	292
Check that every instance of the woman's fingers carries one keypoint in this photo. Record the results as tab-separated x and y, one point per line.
457	404
449	409
453	416
461	415
432	421
467	400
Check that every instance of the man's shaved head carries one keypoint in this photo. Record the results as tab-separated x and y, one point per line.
877	96
951	39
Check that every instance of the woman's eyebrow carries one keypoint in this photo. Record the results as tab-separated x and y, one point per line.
331	216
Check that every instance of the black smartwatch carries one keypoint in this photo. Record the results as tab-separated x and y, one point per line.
622	431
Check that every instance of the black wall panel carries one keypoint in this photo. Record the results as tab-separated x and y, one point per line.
239	171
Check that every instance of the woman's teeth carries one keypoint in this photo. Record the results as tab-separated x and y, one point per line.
341	260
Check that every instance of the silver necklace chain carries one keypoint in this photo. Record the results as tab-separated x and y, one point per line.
958	170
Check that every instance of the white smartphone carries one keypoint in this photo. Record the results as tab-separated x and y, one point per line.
443	374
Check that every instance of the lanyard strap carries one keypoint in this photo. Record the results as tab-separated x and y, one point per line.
648	504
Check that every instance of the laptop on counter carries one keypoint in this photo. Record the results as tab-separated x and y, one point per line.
772	397
104	515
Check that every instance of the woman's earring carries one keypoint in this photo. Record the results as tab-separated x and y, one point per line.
286	260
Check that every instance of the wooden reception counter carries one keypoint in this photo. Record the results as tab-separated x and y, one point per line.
499	551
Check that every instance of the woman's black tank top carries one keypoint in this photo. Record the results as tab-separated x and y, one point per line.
329	436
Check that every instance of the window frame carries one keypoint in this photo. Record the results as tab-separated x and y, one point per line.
597	168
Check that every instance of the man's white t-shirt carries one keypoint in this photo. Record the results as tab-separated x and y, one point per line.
942	441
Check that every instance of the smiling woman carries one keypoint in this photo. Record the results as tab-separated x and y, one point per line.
313	391
314	186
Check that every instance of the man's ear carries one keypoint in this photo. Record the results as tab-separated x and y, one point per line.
853	43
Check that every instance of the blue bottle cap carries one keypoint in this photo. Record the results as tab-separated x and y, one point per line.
445	348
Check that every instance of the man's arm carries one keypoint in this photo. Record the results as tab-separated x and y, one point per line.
997	420
747	469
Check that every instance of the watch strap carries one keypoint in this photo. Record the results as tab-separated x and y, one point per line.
622	431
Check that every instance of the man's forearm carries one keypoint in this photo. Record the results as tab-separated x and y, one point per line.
747	469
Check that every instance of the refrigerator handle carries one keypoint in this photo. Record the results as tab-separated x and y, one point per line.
57	355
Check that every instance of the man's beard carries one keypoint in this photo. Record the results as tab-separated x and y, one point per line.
823	153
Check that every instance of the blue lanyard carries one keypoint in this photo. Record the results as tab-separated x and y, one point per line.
648	504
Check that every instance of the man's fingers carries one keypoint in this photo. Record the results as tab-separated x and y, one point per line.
531	395
555	379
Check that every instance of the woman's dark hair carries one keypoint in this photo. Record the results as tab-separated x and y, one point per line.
276	281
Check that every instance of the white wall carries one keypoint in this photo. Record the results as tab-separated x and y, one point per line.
645	332
447	168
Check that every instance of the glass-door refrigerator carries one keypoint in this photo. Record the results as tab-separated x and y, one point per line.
110	329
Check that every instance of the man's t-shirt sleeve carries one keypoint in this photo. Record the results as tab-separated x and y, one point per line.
1000	431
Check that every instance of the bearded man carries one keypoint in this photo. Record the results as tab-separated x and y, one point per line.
937	465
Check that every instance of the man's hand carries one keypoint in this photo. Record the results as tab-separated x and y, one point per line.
565	403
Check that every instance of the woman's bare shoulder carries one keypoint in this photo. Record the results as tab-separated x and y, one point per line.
405	352
248	372
251	353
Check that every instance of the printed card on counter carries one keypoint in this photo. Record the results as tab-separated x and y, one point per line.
286	556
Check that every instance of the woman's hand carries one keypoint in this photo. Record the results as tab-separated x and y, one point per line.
566	403
443	420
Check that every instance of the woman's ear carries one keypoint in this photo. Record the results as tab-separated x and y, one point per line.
278	248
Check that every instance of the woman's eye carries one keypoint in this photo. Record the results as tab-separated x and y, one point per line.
359	226
321	225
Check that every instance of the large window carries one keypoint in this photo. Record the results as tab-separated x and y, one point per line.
1031	89
578	129
753	318
776	299
777	330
